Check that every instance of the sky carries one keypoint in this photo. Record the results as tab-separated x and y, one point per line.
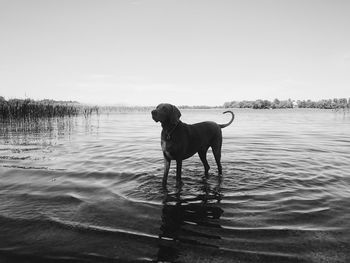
185	52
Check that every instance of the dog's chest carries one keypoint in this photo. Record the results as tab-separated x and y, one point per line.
168	148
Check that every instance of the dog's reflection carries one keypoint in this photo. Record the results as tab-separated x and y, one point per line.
192	221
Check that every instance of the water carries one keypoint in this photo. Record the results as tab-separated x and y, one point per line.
89	190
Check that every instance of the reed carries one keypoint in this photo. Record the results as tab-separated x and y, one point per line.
17	109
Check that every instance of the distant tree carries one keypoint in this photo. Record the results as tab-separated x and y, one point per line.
267	104
324	104
231	104
227	104
257	104
275	104
285	104
343	103
246	104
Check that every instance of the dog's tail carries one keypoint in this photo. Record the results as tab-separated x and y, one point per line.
227	124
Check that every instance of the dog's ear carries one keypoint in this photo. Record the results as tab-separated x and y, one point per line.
176	114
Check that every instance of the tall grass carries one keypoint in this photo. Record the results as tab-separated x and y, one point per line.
16	109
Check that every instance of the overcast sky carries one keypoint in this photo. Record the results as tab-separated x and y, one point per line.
178	51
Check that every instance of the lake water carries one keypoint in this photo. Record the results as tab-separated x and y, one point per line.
89	190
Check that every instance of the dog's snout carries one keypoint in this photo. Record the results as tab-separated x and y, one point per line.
154	114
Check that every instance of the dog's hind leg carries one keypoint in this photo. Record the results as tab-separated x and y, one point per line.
203	156
216	147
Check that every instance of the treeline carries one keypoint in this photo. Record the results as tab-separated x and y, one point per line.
197	107
341	103
123	109
29	109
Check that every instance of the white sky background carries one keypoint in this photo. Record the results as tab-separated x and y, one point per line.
178	51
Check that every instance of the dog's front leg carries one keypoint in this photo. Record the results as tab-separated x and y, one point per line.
166	170
178	172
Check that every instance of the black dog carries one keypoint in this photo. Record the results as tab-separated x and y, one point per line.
180	140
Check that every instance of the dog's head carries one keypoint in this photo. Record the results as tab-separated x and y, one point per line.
166	114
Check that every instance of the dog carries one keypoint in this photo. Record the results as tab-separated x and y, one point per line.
180	141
